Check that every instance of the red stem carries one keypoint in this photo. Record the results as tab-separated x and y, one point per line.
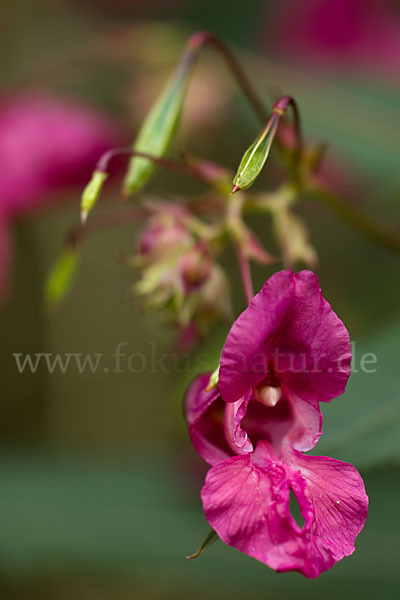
172	165
203	38
245	273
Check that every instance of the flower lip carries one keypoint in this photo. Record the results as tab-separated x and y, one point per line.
246	500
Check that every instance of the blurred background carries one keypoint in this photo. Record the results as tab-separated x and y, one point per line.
99	485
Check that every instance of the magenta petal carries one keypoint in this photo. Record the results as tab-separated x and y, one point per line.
288	329
236	437
337	494
204	413
248	506
252	337
246	501
313	352
307	423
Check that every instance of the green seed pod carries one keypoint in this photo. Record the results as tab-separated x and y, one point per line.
91	193
60	277
159	127
255	156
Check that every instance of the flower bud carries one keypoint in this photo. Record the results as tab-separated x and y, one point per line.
208	302
255	156
91	193
159	127
179	275
195	267
60	277
166	231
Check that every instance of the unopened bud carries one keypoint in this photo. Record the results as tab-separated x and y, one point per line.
91	193
159	127
255	157
195	268
60	277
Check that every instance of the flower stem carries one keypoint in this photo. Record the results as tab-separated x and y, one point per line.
172	165
204	38
280	107
245	272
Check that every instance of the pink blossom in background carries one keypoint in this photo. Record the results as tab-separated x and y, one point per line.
46	144
337	33
5	258
287	352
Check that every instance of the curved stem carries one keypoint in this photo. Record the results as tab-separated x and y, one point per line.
203	38
280	107
181	168
245	272
297	130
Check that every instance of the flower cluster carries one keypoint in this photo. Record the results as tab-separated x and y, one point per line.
286	353
179	273
178	249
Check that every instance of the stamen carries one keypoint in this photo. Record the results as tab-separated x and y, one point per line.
268	395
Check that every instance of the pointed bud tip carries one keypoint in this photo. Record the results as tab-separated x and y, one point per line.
235	188
84	216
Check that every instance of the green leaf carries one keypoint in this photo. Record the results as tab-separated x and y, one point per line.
91	193
60	278
255	157
159	128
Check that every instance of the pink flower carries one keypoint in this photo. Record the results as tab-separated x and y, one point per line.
287	352
361	34
45	144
